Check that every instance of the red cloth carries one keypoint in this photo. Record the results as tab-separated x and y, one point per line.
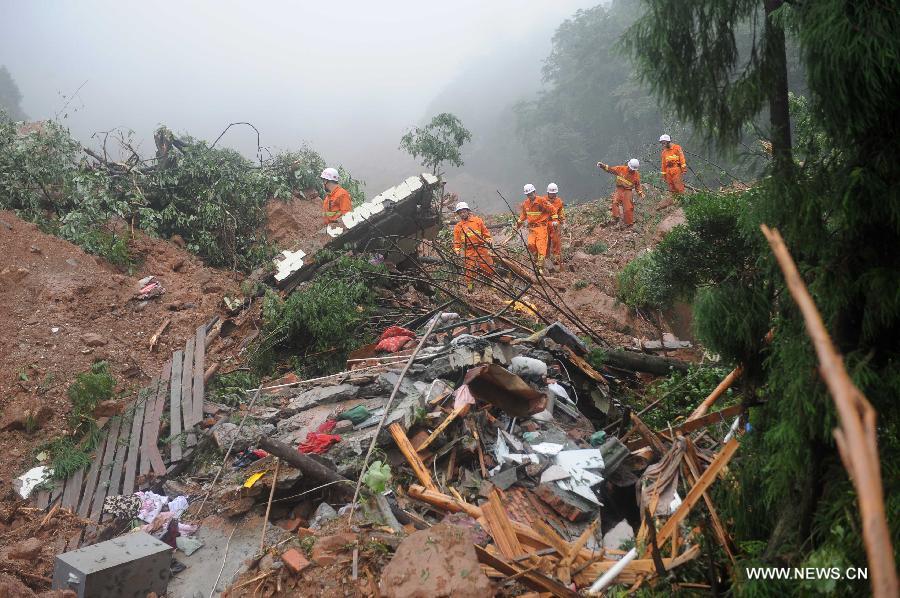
394	338
320	441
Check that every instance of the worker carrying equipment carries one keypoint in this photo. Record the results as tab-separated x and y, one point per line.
557	218
536	211
472	241
337	199
673	164
628	179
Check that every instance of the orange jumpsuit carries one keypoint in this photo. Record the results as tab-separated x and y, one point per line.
627	180
336	204
555	229
673	167
537	213
471	238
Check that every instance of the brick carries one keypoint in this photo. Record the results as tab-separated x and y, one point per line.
291	525
294	561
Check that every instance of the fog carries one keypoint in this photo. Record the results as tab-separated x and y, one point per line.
348	78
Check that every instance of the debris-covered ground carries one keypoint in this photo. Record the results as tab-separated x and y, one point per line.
481	448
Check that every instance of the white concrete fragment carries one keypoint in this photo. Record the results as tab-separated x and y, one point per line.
288	263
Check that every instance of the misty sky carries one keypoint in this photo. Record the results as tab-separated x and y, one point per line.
347	77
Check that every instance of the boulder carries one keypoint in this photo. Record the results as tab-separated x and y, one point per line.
92	339
224	432
439	561
322	395
674	219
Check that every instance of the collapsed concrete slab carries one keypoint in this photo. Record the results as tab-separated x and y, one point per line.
393	222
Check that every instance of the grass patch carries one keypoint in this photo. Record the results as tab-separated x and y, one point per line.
596	248
580	284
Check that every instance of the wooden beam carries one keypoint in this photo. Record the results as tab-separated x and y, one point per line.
411	455
105	469
692	475
198	389
500	528
437	431
691	426
187	397
134	443
84	506
717	392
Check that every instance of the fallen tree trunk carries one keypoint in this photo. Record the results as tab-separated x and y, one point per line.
641	362
317	473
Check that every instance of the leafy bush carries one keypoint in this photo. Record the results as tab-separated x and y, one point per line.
681	393
641	283
596	248
229	389
87	391
321	322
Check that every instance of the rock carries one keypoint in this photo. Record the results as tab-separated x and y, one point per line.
14	274
329	550
92	339
580	256
26	550
35	249
343	425
292	525
294	561
665	203
439	561
109	408
621	532
322	395
20	416
674	219
324	513
224	432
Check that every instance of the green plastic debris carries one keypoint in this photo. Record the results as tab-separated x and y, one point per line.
598	438
357	415
530	437
377	476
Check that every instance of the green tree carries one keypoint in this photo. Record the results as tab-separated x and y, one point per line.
437	142
10	96
834	193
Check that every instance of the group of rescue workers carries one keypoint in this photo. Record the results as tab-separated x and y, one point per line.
544	215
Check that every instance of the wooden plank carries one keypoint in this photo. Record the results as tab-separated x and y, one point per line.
500	527
187	405
412	456
115	479
42	499
152	420
690	426
199	386
453	415
696	492
533	579
693	471
72	493
84	506
105	469
146	398
175	406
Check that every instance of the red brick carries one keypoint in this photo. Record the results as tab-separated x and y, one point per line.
294	561
291	525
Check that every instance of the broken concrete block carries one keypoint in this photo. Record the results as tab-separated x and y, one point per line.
324	513
224	432
322	395
620	533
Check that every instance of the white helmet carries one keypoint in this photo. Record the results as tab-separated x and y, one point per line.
461	206
552	188
529	188
633	164
664	137
330	174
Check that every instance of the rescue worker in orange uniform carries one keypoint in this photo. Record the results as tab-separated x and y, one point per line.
536	211
556	222
673	164
472	241
628	179
337	199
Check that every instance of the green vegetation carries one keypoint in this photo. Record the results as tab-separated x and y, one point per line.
212	197
438	142
10	96
320	323
833	191
596	248
230	389
680	393
87	391
580	284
